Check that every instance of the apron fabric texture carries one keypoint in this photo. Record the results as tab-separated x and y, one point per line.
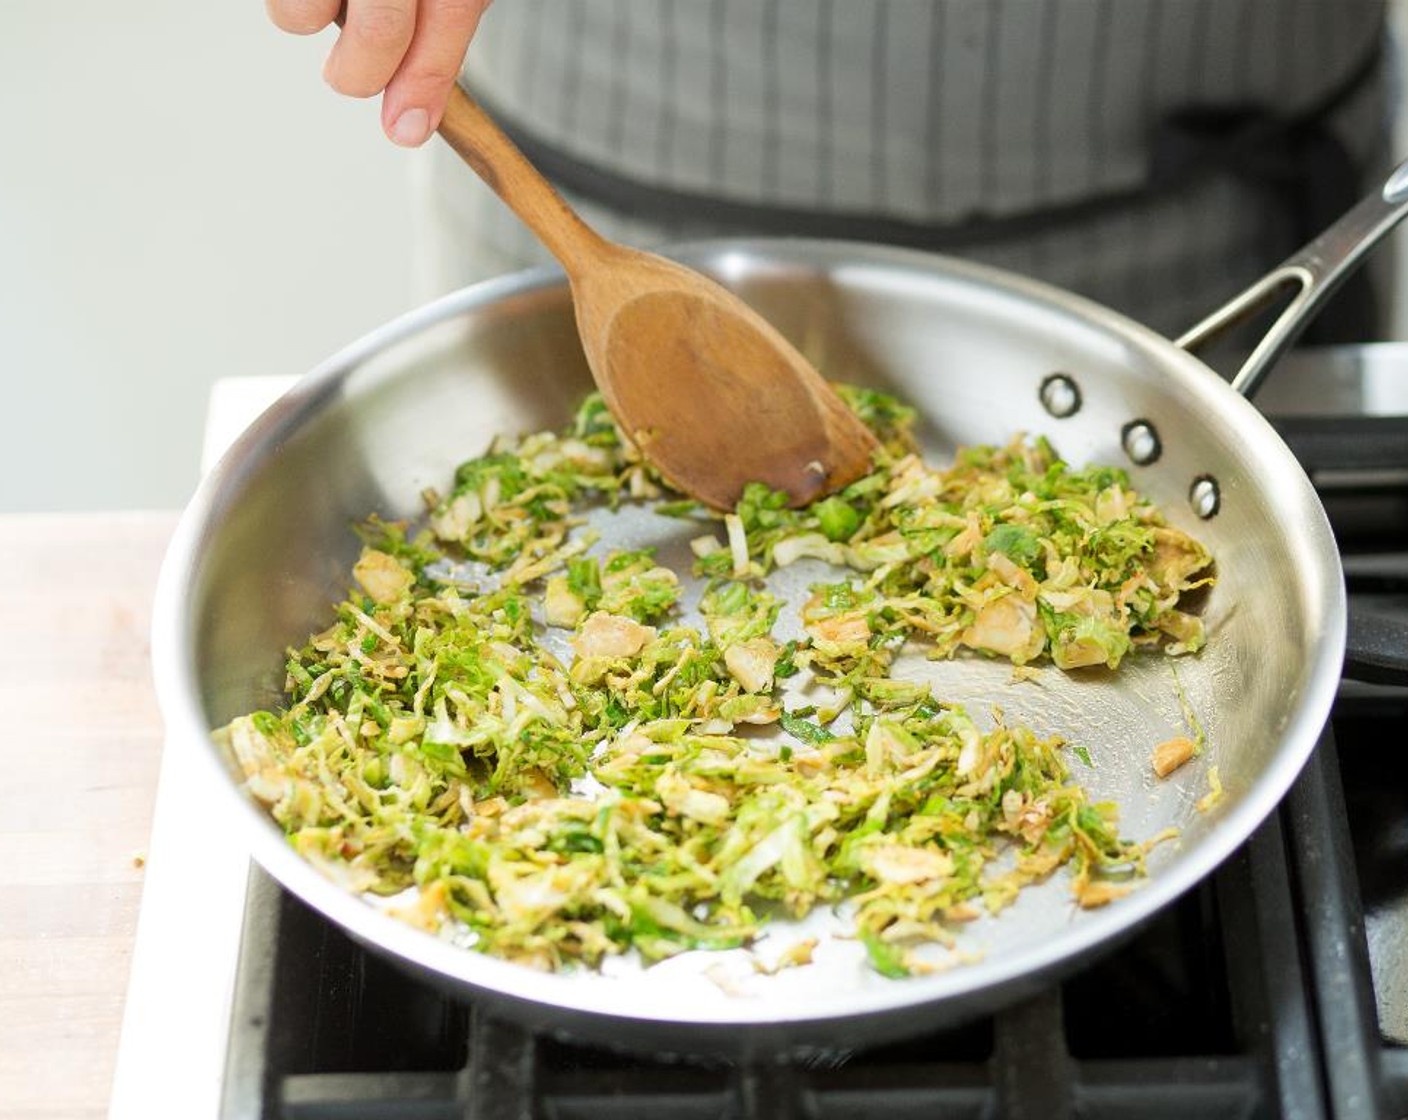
1154	155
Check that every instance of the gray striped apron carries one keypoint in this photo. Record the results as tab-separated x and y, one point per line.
1155	155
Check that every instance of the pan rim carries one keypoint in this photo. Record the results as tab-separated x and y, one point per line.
531	992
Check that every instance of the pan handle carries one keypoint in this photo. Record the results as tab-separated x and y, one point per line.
1375	647
1311	276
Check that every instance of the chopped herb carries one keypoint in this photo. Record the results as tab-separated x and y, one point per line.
804	729
886	959
1016	542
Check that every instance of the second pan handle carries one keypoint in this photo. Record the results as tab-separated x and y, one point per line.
1312	274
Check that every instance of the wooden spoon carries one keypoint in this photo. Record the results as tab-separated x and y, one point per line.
705	387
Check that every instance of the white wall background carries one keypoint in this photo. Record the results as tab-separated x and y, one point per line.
181	199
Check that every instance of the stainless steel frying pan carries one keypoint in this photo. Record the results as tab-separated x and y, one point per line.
265	547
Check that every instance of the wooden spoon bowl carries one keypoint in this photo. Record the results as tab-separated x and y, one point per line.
708	390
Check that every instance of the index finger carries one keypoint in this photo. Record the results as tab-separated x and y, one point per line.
415	98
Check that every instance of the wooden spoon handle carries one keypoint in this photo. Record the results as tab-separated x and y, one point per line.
496	159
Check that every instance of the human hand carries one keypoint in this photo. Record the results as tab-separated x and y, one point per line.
409	51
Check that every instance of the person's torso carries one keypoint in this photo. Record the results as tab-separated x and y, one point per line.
922	110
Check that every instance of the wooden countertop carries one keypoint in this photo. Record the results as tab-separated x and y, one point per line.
79	760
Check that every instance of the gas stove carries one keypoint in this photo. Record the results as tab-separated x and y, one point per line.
1277	988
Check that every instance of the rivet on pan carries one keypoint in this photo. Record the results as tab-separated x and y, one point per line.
1205	496
1141	442
1060	395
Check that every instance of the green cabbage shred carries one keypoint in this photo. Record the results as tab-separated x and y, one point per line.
434	751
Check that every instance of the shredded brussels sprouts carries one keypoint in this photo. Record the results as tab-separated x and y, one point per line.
436	752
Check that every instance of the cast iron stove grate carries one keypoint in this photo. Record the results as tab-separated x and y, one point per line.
1253	996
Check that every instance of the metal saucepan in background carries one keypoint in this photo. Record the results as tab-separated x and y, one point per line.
265	548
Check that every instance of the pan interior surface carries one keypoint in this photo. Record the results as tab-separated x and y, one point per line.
265	550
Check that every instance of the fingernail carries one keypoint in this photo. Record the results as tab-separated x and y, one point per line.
411	128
